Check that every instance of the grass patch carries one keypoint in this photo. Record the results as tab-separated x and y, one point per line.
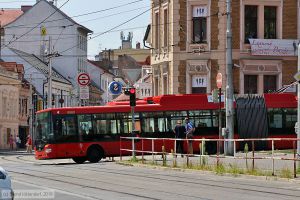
233	169
286	173
220	169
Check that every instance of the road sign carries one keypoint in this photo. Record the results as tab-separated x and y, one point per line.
83	79
43	31
297	76
219	80
115	87
84	92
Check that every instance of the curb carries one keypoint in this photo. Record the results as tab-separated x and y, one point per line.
268	178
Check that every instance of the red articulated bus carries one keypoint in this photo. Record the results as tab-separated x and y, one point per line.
92	133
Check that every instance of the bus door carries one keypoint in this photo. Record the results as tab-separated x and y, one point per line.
66	135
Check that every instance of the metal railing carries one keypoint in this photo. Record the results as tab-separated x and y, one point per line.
255	155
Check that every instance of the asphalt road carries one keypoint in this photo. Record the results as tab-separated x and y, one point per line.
63	179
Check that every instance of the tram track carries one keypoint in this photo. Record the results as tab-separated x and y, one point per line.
92	180
213	183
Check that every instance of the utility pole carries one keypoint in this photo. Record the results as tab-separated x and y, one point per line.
298	110
50	76
31	112
229	84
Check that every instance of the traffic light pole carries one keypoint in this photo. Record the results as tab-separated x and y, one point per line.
133	131
229	84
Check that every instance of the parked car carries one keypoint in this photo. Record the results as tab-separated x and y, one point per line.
6	191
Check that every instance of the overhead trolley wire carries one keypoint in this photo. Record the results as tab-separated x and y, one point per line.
109	29
10	42
89	13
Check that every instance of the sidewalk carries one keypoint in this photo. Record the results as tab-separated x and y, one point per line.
260	164
15	152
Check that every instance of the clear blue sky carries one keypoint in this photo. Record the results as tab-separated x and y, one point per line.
102	21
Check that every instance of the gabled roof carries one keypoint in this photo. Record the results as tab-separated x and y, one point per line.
58	11
66	16
41	66
9	15
99	65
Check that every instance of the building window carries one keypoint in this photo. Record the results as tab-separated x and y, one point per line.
156	87
270	22
199	32
250	84
199	24
156	30
250	22
270	83
165	79
165	27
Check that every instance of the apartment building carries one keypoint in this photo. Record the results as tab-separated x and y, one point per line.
189	43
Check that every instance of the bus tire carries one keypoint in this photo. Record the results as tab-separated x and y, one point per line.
94	154
79	160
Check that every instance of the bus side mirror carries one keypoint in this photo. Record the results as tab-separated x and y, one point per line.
296	127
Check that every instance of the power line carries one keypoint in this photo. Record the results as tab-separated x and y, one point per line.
110	29
17	1
103	10
56	9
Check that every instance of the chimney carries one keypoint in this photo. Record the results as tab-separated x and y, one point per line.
138	45
25	8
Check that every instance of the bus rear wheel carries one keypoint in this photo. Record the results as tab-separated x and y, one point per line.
94	154
79	160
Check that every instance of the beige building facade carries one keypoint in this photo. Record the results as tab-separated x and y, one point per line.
14	104
9	106
189	43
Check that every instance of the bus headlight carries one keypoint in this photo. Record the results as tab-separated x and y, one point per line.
48	150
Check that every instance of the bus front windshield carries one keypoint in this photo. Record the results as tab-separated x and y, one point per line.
43	129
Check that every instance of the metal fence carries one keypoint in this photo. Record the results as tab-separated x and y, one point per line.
251	154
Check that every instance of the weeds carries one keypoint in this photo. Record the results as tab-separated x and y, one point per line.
286	173
220	169
233	169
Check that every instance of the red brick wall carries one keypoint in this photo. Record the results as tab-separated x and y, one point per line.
214	71
182	77
289	21
183	25
214	25
235	14
289	68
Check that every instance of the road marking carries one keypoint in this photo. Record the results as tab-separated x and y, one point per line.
56	190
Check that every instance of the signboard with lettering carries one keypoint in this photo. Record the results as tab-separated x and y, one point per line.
199	81
269	47
200	11
84	92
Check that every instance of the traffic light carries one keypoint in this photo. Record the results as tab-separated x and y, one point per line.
131	92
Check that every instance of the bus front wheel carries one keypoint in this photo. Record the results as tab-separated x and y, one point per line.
94	154
79	160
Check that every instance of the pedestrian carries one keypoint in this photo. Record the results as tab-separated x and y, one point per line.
189	128
18	142
179	131
29	144
11	142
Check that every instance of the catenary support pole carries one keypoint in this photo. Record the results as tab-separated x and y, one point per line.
229	83
50	76
298	110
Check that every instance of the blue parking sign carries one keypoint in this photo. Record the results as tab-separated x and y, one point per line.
115	87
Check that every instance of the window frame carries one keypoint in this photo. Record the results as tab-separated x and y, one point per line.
268	20
252	20
202	22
